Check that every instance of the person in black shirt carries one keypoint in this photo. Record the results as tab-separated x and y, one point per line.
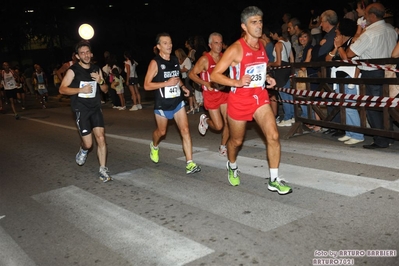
83	82
162	77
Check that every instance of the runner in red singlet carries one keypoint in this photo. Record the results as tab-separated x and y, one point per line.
215	96
248	98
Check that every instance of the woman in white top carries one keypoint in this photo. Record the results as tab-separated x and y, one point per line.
361	21
282	53
314	25
132	81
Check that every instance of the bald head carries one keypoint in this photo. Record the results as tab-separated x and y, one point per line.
376	10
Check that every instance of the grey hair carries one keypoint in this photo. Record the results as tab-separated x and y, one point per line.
330	16
214	34
250	12
377	10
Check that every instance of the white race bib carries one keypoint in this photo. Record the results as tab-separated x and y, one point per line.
172	91
93	92
258	75
11	84
41	86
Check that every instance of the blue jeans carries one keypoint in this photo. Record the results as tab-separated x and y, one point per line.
352	115
313	87
375	117
288	108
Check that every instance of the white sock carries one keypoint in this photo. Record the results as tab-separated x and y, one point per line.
152	144
189	161
233	165
273	174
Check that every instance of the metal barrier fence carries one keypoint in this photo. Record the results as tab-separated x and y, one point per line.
327	104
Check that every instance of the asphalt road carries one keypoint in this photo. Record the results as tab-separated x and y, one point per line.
343	209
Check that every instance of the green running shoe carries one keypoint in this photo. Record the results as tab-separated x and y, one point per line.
233	175
279	186
192	168
154	153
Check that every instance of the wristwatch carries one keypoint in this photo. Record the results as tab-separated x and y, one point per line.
102	82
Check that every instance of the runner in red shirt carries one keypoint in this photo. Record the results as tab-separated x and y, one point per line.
248	98
215	96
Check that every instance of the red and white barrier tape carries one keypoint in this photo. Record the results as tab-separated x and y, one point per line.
354	62
345	104
391	102
368	101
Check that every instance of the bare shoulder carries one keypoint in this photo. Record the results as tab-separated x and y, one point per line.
152	68
233	52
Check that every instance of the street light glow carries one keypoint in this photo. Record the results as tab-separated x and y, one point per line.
86	31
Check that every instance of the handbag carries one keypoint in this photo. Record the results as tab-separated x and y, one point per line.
301	85
282	75
114	84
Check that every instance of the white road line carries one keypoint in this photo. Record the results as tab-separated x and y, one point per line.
323	151
369	157
165	145
348	185
10	253
342	184
138	240
245	208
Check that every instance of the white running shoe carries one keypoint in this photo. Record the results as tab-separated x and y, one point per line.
222	150
104	176
134	108
285	123
139	106
81	156
202	126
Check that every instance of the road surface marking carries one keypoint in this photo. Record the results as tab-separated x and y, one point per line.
138	240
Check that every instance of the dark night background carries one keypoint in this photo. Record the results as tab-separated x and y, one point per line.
131	25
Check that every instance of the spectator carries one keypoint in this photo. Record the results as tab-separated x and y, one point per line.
361	21
378	41
294	28
284	27
283	56
305	39
349	12
185	67
189	44
132	80
200	48
117	85
314	25
345	31
110	64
